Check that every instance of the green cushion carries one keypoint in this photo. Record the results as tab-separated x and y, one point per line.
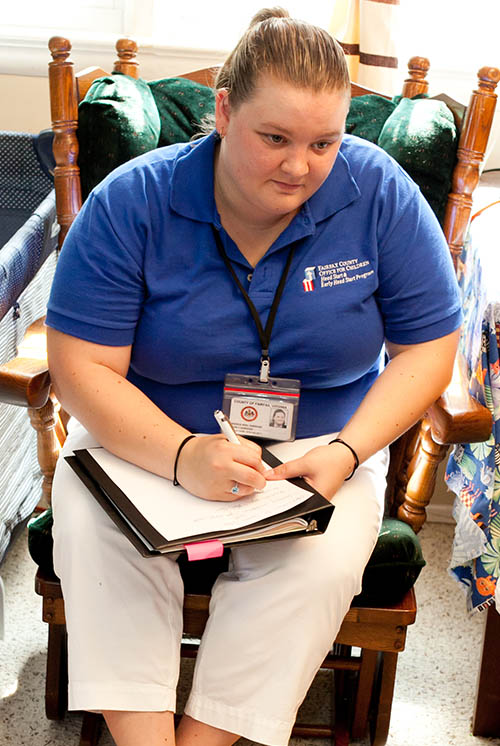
394	566
421	135
392	570
182	104
40	541
367	115
117	120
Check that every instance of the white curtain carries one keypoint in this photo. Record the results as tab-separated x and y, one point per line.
367	31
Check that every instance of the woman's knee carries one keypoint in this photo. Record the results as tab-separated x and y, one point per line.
74	508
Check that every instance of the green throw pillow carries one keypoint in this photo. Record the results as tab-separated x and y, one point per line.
182	104
394	566
117	120
367	115
421	135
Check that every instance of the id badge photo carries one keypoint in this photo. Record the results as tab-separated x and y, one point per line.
257	409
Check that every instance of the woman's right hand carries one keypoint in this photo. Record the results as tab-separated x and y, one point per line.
210	466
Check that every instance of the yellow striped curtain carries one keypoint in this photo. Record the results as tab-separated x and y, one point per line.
367	31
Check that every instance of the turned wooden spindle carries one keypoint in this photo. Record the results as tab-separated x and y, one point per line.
64	113
422	473
66	91
470	154
126	62
45	421
418	67
402	453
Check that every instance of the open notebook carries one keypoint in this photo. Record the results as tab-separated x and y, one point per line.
158	517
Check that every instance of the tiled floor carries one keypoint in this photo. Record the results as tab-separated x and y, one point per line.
434	689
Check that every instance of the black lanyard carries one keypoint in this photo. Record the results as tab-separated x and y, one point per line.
264	334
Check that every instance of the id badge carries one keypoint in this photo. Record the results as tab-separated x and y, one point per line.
262	410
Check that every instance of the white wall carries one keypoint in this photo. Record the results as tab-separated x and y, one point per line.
25	103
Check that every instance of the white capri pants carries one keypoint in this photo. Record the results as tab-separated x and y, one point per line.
273	616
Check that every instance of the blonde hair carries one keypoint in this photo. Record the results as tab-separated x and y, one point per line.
293	51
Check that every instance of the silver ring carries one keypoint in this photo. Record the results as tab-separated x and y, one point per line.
235	488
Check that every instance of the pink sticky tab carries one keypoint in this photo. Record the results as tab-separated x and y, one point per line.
204	550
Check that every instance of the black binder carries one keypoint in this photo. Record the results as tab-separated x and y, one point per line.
314	513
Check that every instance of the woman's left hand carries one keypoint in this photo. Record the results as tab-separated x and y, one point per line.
324	467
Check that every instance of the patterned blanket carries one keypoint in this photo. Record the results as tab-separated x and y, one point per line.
473	472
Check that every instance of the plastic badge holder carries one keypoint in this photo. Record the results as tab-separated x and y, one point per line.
257	409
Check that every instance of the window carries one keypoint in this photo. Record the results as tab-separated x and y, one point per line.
219	25
455	34
31	18
199	25
458	38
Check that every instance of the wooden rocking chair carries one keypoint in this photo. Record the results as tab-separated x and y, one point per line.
379	631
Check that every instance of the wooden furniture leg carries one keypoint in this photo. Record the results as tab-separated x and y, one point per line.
91	728
364	691
486	720
56	683
343	695
384	706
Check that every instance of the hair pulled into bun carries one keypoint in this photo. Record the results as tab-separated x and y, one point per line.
266	13
290	50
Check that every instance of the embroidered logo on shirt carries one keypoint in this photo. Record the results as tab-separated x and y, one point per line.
309	277
336	273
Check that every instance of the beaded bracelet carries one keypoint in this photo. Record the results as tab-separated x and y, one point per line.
356	459
183	443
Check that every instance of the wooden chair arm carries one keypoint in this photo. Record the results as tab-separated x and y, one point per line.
456	417
25	380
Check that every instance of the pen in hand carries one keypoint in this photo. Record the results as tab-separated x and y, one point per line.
228	430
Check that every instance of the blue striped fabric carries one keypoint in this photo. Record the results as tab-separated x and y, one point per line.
23	255
27	263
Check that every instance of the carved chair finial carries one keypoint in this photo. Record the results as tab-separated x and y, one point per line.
416	84
418	67
126	50
126	62
488	78
60	48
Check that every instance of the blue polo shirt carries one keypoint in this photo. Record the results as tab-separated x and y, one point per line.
140	267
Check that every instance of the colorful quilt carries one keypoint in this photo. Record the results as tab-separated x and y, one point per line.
473	472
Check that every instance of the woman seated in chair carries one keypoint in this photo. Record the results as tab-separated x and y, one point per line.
162	279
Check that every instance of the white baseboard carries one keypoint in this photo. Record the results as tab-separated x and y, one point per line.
440	513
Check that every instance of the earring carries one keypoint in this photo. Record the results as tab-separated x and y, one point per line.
222	134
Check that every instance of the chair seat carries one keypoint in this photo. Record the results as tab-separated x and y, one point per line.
386	623
382	618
